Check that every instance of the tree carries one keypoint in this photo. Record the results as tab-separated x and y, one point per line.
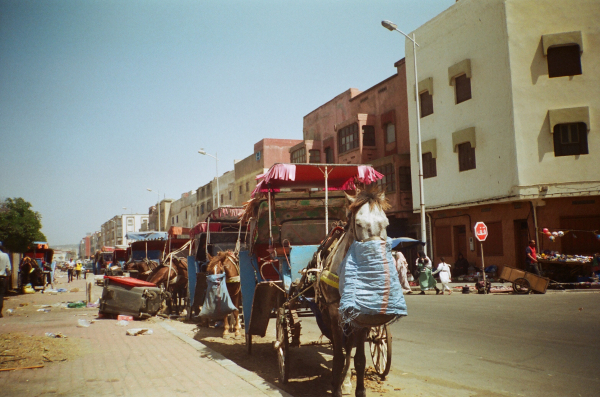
19	225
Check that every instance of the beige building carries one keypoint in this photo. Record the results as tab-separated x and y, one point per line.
510	117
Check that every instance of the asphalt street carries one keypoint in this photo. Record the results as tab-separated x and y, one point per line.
499	345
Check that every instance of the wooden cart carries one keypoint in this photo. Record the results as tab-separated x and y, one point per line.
524	282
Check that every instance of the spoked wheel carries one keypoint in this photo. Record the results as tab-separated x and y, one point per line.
380	344
521	286
282	346
249	343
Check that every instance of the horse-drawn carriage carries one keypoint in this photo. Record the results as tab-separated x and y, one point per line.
31	267
297	254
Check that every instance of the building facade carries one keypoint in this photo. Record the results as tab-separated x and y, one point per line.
114	231
509	113
368	127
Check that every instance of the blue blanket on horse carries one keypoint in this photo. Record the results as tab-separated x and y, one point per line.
217	303
369	282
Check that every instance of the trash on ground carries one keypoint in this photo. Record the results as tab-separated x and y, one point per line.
123	317
139	331
61	290
93	305
76	305
123	323
23	304
55	335
83	323
44	310
16	369
74	290
10	311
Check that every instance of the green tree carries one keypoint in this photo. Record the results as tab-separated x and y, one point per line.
19	225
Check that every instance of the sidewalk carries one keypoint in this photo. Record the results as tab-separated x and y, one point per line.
107	362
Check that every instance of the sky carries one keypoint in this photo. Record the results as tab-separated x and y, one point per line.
100	99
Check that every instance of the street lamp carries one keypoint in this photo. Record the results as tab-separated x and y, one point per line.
391	27
157	207
202	151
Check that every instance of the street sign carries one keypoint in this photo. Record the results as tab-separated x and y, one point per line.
481	231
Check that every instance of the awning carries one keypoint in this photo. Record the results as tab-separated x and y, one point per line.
307	176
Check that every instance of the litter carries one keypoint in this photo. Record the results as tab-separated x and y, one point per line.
138	331
123	317
93	305
123	323
76	305
55	335
83	323
61	290
44	310
10	311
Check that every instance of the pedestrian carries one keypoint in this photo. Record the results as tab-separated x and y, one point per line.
402	268
426	280
4	275
443	270
461	266
78	269
53	271
531	259
70	270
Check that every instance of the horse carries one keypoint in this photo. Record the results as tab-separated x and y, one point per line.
366	221
143	267
173	276
31	273
228	263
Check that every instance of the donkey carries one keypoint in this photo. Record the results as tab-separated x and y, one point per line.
366	221
228	263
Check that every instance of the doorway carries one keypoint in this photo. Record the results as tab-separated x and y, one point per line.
460	241
521	227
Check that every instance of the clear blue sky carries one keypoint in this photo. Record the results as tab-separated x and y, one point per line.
100	100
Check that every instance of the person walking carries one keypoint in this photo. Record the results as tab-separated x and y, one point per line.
78	269
4	275
443	270
531	259
70	270
426	280
402	268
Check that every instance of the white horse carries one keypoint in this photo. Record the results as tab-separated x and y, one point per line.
367	221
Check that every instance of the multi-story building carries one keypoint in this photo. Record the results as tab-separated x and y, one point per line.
267	152
85	247
114	231
368	127
510	115
153	222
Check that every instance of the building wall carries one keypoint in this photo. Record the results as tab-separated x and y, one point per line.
475	30
535	93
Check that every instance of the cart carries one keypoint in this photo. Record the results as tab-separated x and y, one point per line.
524	282
285	230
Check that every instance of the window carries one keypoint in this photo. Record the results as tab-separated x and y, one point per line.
314	156
348	138
466	157
368	135
570	139
564	60
429	165
390	133
462	88
240	189
388	180
404	181
230	193
257	156
209	206
198	211
222	199
247	187
202	209
426	102
329	155
129	222
299	156
185	214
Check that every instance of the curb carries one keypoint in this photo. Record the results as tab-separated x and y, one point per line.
250	377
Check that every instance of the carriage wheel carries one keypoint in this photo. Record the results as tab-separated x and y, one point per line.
249	343
521	286
283	346
380	344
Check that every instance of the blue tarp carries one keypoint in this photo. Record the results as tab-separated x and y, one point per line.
217	303
137	236
369	282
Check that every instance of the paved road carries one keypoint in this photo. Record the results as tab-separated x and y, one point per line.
505	345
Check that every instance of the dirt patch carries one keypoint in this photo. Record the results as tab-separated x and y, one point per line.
20	350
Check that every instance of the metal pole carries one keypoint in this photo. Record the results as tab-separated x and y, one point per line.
483	268
270	222
158	208
420	151
326	203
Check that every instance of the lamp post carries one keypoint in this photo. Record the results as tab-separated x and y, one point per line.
157	207
391	27
202	151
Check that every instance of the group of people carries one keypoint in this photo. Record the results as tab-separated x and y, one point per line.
426	273
74	270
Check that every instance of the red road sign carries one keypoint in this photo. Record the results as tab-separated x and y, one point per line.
481	231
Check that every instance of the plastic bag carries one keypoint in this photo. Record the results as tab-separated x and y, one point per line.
217	303
138	331
83	323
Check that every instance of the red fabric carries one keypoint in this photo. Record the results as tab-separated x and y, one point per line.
133	282
202	227
303	176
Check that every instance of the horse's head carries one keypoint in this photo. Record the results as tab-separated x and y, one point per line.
216	263
367	218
